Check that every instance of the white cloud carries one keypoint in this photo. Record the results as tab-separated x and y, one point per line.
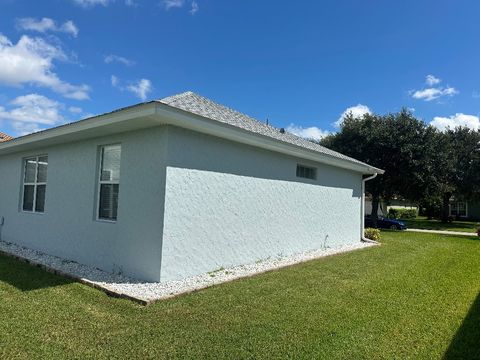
433	92
70	27
91	3
120	59
22	129
459	119
312	132
114	80
194	9
47	24
29	113
141	88
169	4
431	80
75	109
357	111
30	61
430	94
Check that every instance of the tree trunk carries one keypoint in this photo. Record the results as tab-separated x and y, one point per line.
445	207
375	203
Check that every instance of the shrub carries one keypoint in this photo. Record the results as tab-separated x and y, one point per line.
394	213
372	234
478	231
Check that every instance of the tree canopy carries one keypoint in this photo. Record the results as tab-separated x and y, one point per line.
421	163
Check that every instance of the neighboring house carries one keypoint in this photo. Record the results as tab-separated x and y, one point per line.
172	188
464	209
385	206
5	137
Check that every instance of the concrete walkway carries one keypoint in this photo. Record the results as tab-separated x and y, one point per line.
443	232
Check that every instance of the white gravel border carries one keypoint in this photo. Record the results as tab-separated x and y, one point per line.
146	293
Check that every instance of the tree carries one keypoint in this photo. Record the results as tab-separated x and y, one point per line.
459	170
394	143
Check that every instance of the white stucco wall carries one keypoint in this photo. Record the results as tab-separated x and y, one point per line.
228	204
215	202
68	227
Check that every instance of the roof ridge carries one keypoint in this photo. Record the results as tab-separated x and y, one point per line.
213	102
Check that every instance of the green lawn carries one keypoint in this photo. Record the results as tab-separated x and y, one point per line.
416	296
422	222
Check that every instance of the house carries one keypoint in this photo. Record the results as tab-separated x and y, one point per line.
464	209
5	137
172	188
384	206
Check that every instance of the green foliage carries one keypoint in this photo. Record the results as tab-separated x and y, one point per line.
395	213
416	295
421	163
397	143
372	234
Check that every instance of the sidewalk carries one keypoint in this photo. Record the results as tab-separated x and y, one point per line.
443	232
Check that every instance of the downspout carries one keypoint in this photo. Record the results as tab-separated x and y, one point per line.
362	235
2	222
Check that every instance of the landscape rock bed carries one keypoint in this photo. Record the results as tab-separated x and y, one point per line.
145	293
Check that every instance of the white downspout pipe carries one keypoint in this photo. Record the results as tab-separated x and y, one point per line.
362	220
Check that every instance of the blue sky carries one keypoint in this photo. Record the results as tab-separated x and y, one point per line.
301	64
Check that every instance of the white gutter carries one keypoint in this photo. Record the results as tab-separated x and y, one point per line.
362	235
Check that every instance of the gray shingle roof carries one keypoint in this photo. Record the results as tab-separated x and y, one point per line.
199	105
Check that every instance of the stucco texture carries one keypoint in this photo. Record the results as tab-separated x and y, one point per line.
227	204
189	203
69	228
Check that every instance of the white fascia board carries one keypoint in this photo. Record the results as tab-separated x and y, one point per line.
131	118
177	117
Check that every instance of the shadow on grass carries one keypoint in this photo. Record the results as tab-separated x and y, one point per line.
466	343
465	226
26	277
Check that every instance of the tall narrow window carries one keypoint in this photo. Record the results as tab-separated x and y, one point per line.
109	182
462	209
35	184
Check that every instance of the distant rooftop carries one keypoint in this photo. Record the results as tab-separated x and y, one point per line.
4	137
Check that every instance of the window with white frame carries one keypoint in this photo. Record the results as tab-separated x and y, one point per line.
35	183
109	182
458	208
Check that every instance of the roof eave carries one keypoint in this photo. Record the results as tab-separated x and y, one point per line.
185	119
143	115
155	113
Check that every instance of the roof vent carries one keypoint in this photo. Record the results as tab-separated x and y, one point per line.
282	131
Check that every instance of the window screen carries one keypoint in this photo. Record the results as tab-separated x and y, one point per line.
109	182
306	172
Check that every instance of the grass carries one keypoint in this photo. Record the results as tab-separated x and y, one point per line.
416	296
422	222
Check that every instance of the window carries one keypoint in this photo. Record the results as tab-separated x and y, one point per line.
35	184
306	172
109	182
461	209
458	209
